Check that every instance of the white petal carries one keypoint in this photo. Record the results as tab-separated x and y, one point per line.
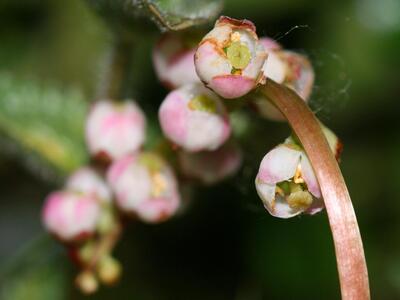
279	164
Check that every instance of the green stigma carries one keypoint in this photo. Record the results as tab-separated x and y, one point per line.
238	55
202	103
151	161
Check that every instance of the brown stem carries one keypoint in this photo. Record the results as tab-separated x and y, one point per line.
352	267
114	82
105	245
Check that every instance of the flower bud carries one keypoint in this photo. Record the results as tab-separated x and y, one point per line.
87	181
109	270
70	216
194	118
286	182
286	67
144	185
229	59
114	129
173	61
87	282
210	167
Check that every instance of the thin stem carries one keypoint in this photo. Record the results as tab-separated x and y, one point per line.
114	84
352	267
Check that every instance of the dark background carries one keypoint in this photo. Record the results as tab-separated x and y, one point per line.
225	246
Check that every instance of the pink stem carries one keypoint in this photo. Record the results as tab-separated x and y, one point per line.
352	267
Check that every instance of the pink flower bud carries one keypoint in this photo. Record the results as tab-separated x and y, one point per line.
285	67
210	167
144	185
229	59
87	181
286	182
70	216
173	61
194	118
114	129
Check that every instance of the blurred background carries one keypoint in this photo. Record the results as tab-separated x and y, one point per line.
225	246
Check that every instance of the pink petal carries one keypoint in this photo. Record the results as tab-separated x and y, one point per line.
232	86
173	117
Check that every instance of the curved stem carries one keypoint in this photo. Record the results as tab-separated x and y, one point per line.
352	267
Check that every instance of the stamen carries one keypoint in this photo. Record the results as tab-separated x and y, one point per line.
298	176
299	200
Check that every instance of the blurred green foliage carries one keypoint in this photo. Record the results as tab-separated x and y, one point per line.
225	246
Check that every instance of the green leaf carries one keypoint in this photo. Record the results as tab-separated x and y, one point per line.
42	125
167	14
181	14
35	273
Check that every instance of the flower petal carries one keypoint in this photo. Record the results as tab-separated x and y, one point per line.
279	164
232	86
309	177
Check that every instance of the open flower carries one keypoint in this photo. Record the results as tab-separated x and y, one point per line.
285	67
229	59
286	182
144	185
114	129
71	216
194	118
87	181
173	60
210	167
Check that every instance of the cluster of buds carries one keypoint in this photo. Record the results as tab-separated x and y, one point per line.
122	181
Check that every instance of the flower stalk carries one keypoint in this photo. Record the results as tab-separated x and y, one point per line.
350	258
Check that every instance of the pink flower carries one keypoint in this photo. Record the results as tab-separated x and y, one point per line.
70	216
229	59
210	167
173	61
194	118
114	129
144	185
286	182
87	181
286	67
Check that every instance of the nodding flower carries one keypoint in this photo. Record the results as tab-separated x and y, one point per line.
285	67
114	129
194	118
144	186
71	216
286	182
229	59
173	60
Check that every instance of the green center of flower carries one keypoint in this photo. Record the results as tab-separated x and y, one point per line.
203	103
238	55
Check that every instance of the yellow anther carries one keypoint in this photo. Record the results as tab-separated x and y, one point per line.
235	37
299	200
298	175
159	184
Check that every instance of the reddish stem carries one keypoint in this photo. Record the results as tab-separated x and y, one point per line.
352	267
